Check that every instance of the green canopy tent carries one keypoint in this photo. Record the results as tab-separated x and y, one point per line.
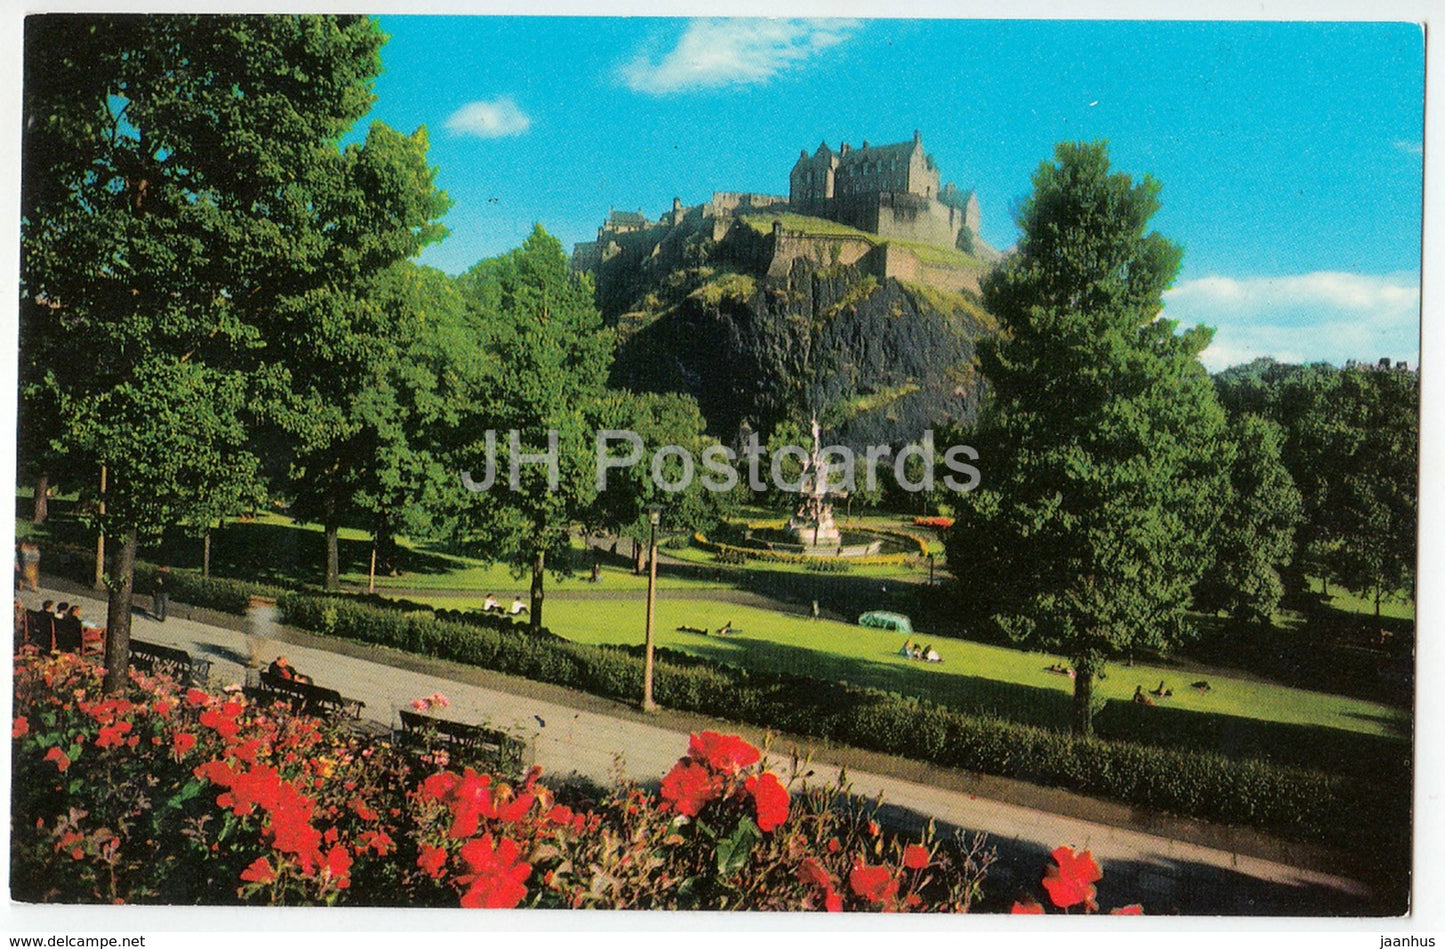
882	619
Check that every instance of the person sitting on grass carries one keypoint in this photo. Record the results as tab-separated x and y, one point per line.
1161	692
490	605
725	629
281	668
518	607
1202	685
930	654
1140	698
906	650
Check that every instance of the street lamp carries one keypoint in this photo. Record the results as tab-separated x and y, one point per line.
654	517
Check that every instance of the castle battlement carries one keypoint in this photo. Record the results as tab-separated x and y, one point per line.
893	191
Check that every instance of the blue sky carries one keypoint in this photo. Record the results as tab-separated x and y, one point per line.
1289	153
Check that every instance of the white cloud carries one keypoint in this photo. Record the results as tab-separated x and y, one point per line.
715	53
498	118
1324	316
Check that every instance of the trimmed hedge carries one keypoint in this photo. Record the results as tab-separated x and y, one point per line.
1295	802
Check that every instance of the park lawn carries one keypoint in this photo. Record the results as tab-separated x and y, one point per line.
973	677
1342	599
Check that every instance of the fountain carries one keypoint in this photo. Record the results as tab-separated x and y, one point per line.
813	525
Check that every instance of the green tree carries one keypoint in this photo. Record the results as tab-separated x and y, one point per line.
658	421
181	177
1376	457
1101	450
552	355
1254	538
342	410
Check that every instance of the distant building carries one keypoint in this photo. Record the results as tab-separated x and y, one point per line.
889	190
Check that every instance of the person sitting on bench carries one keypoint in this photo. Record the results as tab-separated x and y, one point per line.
69	630
281	668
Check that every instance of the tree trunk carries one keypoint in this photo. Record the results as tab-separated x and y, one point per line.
100	537
333	557
206	555
371	575
1084	670
539	563
117	612
41	509
639	560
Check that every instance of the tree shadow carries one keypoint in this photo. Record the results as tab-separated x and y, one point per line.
1319	747
282	554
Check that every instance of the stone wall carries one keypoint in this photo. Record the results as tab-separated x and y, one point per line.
902	264
900	216
823	249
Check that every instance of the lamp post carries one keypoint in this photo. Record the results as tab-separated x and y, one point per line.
654	517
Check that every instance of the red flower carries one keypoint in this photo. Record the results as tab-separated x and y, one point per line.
432	860
725	753
438	786
338	864
770	798
196	698
162	707
183	742
20	727
221	724
688	787
497	878
1029	907
470	801
875	884
833	902
833	845
915	857
560	814
1133	909
1071	880
112	736
259	871
516	809
61	759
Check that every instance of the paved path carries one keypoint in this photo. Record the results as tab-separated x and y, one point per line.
598	738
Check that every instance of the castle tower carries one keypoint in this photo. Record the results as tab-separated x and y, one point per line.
812	180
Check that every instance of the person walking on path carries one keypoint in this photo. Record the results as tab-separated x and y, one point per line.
160	597
29	565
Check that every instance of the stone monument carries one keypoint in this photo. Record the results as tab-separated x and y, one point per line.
813	523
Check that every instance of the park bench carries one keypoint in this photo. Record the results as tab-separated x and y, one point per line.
305	697
167	660
484	748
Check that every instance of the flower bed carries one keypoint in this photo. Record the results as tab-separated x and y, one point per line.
163	795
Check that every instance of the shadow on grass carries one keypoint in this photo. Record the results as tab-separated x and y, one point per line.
1318	747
